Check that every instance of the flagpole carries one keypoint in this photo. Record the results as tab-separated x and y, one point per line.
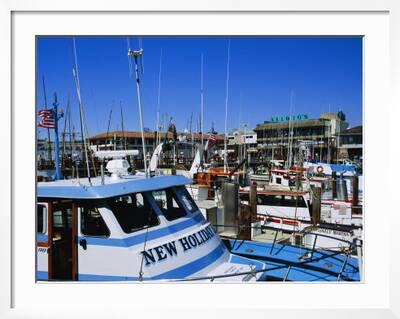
48	130
57	147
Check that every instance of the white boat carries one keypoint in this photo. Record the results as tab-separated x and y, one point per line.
132	228
126	227
289	211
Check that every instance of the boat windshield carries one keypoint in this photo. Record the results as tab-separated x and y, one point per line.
169	204
133	212
281	200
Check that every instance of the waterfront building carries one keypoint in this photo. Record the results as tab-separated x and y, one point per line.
351	143
319	137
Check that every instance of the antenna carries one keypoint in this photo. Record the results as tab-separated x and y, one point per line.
75	72
109	122
140	42
201	99
137	55
128	44
226	105
158	128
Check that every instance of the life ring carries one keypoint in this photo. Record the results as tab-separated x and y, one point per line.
320	169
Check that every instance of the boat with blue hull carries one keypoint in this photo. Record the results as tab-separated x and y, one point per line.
134	228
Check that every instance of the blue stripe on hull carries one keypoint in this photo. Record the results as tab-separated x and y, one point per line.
194	266
42	237
177	273
88	277
151	235
42	275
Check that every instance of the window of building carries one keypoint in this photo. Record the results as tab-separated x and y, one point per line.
168	204
92	223
133	212
40	218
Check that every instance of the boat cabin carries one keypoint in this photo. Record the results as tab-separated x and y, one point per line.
130	228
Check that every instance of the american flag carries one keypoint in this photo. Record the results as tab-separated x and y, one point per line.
47	120
212	140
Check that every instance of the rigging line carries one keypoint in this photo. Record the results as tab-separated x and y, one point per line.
144	247
226	106
75	72
87	136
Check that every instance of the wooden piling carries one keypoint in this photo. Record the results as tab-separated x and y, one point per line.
316	205
334	187
244	231
354	202
253	202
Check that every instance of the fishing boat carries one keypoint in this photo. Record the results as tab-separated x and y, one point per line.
346	169
290	212
126	227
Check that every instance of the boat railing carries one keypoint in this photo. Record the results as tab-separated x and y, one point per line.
352	247
254	271
351	244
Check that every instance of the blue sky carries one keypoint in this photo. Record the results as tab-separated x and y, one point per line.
324	74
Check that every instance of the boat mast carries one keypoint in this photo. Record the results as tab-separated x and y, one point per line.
109	123
75	72
226	107
138	55
48	130
122	127
158	128
290	137
202	99
63	135
57	117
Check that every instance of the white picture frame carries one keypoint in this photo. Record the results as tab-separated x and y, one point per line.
21	297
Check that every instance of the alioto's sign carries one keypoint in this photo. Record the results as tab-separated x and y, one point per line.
287	118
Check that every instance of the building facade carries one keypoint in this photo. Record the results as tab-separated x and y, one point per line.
351	143
281	138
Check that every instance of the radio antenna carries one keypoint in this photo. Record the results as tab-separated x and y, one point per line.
75	72
138	55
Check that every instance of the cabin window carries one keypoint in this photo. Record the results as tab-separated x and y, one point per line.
281	200
92	224
133	212
187	199
279	180
169	205
40	218
62	217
